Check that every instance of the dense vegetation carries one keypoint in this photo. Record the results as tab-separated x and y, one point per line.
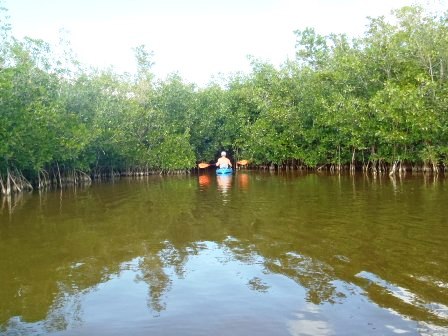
378	102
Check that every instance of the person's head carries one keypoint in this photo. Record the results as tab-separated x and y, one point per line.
223	154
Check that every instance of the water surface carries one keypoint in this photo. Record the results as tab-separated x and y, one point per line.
250	254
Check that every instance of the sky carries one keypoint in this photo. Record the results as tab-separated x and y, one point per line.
199	39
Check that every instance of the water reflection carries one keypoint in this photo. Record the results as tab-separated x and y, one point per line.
435	309
224	182
292	254
309	322
11	203
243	181
204	181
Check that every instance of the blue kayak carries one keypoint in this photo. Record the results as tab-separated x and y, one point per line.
224	171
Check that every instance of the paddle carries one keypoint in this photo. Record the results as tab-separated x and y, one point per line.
205	165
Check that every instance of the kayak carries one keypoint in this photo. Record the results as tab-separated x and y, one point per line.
224	171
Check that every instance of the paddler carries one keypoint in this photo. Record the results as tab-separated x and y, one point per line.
223	161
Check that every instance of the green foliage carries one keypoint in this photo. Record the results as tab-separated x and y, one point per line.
382	96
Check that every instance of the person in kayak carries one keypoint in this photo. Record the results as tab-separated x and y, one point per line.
223	162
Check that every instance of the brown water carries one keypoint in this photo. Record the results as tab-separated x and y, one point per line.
252	254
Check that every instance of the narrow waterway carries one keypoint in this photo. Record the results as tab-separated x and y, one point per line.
249	254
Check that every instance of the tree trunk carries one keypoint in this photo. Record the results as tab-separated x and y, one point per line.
2	186
394	168
59	175
435	168
8	182
352	165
